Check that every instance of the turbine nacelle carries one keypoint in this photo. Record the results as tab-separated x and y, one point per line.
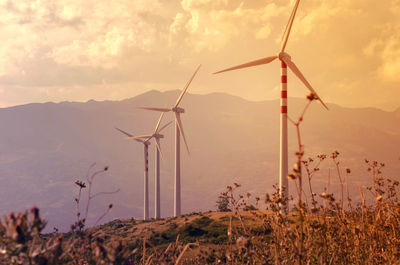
178	110
158	136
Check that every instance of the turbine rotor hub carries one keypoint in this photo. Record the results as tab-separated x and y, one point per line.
283	55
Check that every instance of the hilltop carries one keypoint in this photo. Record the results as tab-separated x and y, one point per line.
209	227
209	231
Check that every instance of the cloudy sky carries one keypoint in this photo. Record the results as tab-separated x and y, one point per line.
73	50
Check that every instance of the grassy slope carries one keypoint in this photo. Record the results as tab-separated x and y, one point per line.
209	229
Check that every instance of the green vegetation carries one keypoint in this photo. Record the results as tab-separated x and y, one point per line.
203	229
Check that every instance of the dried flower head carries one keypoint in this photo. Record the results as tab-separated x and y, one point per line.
335	154
81	184
312	96
323	195
296	167
35	212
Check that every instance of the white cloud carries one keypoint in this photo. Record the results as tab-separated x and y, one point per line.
386	47
211	26
263	32
390	54
189	5
74	33
317	16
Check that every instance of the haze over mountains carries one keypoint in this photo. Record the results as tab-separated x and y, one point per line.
44	148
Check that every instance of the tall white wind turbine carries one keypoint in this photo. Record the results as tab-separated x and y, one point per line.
146	144
178	131
286	61
145	139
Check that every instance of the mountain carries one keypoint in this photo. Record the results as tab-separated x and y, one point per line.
45	148
397	113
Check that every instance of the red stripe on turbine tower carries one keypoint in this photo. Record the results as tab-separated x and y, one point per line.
284	87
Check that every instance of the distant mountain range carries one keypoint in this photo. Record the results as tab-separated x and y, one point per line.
45	147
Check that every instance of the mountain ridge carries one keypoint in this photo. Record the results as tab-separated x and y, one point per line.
46	147
176	91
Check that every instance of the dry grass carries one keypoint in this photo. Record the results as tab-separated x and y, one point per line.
318	233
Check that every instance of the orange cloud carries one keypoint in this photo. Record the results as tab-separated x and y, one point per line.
89	49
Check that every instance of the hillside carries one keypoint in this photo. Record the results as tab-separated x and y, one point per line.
44	148
209	230
209	227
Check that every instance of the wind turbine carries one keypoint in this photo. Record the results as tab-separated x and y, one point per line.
286	61
146	144
178	131
145	139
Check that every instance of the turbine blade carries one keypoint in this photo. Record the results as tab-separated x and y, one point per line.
155	109
287	26
130	136
286	34
297	72
250	64
158	123
180	126
158	144
186	87
323	103
127	134
148	139
142	136
165	126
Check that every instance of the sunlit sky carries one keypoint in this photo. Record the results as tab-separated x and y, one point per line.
71	50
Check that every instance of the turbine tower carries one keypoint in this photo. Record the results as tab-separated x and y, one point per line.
146	144
286	61
146	138
178	132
